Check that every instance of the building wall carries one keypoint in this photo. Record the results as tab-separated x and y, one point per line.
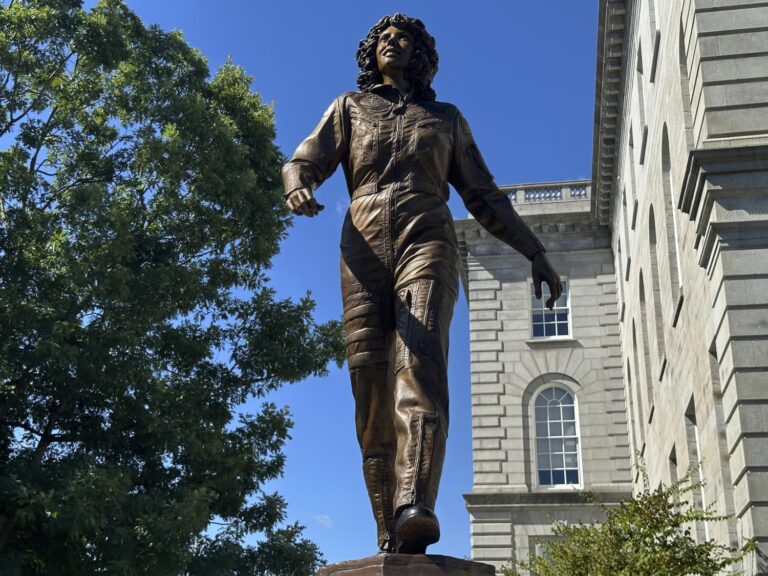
509	511
689	198
668	263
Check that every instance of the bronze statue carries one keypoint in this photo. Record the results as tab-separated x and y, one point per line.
400	149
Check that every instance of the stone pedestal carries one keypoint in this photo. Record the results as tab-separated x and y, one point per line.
407	565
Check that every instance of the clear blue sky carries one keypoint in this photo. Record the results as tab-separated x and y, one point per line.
523	74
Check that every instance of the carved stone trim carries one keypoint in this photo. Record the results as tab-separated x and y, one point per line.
608	104
558	498
701	191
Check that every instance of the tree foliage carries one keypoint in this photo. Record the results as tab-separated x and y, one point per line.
140	206
648	535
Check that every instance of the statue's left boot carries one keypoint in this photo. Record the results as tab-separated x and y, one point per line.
416	528
423	312
419	466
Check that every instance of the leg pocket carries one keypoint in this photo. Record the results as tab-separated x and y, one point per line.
363	325
416	319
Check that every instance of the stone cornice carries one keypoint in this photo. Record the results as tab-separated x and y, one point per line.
608	104
709	181
551	209
542	499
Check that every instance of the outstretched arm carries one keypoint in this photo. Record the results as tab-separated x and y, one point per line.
314	161
493	210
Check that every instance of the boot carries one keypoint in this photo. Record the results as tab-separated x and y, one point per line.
380	491
419	468
416	528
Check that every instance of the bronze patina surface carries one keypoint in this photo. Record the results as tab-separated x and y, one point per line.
408	565
400	149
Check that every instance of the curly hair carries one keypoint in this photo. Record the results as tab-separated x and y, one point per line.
422	67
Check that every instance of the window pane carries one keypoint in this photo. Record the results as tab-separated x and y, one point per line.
541	429
572	476
556	445
542	445
541	412
554	412
538	318
555	429
569	428
538	330
571	461
549	330
568	412
544	461
557	461
549	393
562	316
558	477
549	317
545	477
562	329
570	445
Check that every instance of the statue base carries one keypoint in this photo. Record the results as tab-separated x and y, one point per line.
407	565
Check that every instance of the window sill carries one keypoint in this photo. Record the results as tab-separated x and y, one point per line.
552	341
559	488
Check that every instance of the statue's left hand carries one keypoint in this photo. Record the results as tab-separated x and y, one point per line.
541	269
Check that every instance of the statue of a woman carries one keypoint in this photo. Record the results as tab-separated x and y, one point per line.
400	149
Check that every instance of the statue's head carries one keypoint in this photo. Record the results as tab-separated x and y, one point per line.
423	63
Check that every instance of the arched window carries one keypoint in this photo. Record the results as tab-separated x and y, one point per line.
670	220
633	191
645	331
557	438
655	38
625	214
640	88
685	88
661	345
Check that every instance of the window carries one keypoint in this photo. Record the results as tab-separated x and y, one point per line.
557	440
547	323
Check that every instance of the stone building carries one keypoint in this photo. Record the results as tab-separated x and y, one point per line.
674	235
548	413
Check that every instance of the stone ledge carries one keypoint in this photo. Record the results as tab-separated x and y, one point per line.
558	497
407	565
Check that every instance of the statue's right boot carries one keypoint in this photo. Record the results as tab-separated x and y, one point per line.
378	481
376	434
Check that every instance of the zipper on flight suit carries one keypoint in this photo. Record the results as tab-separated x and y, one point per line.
399	111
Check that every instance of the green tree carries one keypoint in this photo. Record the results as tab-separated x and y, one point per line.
140	208
648	535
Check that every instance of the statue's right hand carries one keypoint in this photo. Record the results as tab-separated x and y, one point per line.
302	203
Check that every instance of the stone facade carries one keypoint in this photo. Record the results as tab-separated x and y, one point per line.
668	264
510	510
680	172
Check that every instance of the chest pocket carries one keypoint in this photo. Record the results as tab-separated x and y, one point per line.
432	136
365	141
433	143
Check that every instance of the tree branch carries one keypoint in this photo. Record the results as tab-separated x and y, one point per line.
24	426
12	120
47	127
37	458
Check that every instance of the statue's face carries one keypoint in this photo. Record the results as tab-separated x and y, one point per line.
394	50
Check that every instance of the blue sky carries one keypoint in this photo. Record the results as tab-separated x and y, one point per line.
523	74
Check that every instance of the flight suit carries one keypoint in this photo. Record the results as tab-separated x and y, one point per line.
399	274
